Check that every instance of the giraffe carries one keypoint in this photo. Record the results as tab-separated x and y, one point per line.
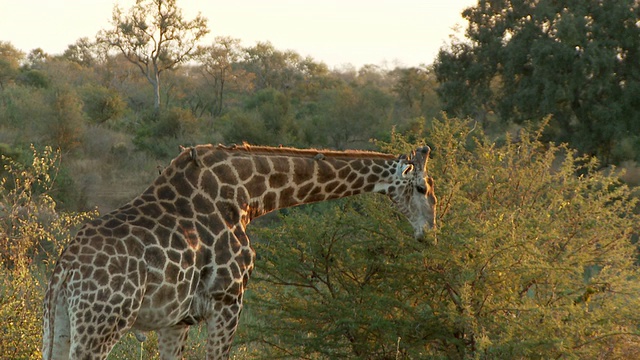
178	254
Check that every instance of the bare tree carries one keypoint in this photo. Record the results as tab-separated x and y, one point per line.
155	37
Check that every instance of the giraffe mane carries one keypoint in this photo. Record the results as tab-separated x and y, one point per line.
290	151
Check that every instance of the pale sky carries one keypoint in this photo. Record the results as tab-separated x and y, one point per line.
336	32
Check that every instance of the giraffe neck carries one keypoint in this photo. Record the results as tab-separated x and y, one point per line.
262	179
302	180
245	182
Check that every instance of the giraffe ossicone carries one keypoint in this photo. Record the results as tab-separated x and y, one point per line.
178	254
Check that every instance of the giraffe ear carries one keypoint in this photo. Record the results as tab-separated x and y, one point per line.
406	169
421	157
193	153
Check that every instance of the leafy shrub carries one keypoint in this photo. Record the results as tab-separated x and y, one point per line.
21	295
31	234
162	132
266	119
329	283
34	78
66	126
534	260
31	225
102	104
238	126
26	110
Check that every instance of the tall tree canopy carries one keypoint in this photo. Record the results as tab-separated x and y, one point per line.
219	68
155	37
9	62
576	60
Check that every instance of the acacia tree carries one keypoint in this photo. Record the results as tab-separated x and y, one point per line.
9	63
82	52
155	37
273	68
219	66
267	118
349	116
532	261
524	59
415	87
66	125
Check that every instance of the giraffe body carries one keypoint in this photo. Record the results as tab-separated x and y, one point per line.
178	254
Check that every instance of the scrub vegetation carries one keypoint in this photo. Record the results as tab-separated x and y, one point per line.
532	121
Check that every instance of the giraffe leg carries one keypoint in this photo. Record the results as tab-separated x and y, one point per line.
97	322
80	334
61	332
93	337
171	341
221	327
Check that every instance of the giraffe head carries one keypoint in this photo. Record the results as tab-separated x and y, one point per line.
413	191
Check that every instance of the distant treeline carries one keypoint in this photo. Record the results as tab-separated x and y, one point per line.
119	97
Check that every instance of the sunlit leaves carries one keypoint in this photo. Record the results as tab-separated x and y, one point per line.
32	231
534	259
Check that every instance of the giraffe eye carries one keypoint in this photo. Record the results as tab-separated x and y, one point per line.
421	189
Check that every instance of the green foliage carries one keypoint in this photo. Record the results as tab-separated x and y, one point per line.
415	88
35	78
20	312
30	226
332	291
531	250
24	109
237	126
10	58
272	67
266	119
82	52
221	74
66	127
349	116
102	104
525	60
161	131
534	260
31	233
